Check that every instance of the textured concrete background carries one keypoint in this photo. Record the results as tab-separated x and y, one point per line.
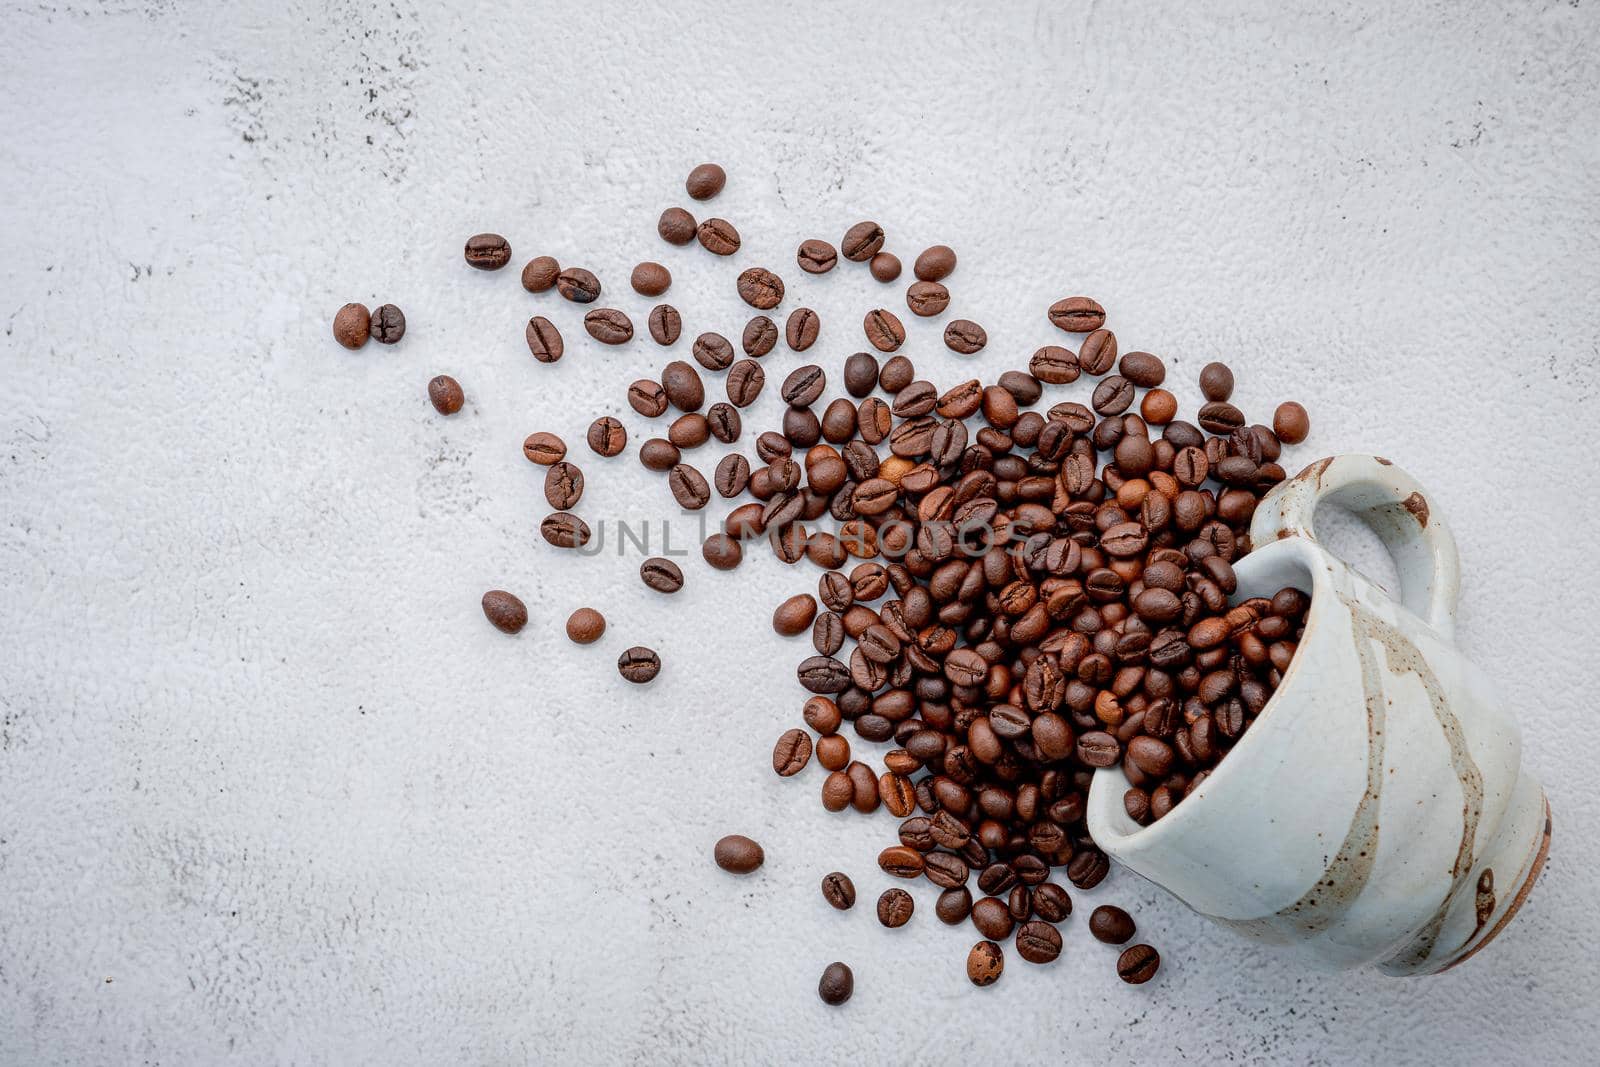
270	788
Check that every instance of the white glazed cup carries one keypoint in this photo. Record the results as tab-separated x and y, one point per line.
1376	812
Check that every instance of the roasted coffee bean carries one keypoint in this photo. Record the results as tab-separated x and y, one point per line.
352	325
1220	417
827	633
800	330
722	552
1113	395
745	381
389	324
659	455
718	237
585	626
839	891
666	325
1142	369
1110	924
1158	407
1038	942
681	382
985	962
837	789
1055	365
647	398
791	753
564	530
935	263
884	331
688	487
964	336
803	386
824	674
900	861
705	181
945	870
639	664
539	274
563	485
860	374
712	351
544	448
823	716
578	285
1098	352
861	242
897	373
885	266
926	299
1051	903
723	418
836	985
895	907
1216	381
997	878
446	395
760	288
816	257
607	436
1077	314
954	905
732	475
507	612
992	918
1025	388
650	279
738	854
1290	423
794	616
760	336
676	226
662	575
544	340
1088	868
1138	964
488	251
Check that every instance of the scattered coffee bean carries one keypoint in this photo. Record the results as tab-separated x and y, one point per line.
543	448
1220	417
544	340
1216	381
896	374
895	907
803	386
861	242
722	552
607	436
985	961
1038	942
1113	395
885	266
578	285
647	398
884	331
352	326
1143	369
666	325
608	326
794	616
564	530
676	226
585	626
935	263
539	274
964	336
836	985
507	612
1158	407
732	475
1110	924
926	299
792	752
1290	423
801	329
388	324
688	487
816	257
650	279
1077	314
488	251
705	181
954	905
445	392
738	854
639	665
1138	964
745	381
760	336
662	575
659	455
718	237
683	387
839	891
563	485
712	351
1051	903
760	288
860	374
1098	353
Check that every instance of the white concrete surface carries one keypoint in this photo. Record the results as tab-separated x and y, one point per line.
271	791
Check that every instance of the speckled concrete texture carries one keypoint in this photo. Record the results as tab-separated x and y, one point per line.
271	791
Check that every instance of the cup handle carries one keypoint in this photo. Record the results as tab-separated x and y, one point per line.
1393	505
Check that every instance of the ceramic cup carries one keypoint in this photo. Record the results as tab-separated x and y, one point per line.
1376	813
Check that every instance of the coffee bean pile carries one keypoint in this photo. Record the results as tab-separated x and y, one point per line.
1040	596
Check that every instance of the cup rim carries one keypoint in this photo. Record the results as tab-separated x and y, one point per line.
1152	835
